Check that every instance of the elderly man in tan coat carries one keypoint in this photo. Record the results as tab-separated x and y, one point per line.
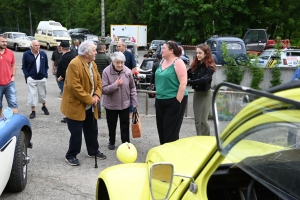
82	92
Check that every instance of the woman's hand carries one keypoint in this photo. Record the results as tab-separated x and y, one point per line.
119	82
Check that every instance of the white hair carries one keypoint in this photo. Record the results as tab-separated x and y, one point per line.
118	56
31	42
86	47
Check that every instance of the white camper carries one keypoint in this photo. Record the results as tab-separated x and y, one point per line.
139	32
51	33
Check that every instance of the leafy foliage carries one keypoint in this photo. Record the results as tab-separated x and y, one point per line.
256	71
234	71
188	21
276	73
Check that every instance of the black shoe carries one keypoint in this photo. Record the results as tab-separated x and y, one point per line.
72	161
64	120
99	155
45	110
32	115
111	146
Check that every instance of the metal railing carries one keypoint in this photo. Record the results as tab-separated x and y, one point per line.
154	92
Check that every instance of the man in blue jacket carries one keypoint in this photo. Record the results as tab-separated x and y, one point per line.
35	68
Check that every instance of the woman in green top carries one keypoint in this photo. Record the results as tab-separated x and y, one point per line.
171	93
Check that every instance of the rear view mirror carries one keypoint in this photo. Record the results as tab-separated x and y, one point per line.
161	178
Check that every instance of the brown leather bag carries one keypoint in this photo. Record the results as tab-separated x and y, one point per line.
136	126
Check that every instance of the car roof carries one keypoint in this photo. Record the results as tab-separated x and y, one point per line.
14	32
226	38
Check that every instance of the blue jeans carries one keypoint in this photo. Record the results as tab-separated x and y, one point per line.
61	86
10	93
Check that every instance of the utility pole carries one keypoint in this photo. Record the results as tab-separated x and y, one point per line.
103	19
30	20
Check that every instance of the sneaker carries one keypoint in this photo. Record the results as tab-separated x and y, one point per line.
111	146
44	108
64	120
72	161
99	155
32	115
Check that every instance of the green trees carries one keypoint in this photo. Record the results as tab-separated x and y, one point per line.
188	21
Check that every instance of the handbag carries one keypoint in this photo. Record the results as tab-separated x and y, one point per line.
136	126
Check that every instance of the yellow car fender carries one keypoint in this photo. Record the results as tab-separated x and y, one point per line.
125	181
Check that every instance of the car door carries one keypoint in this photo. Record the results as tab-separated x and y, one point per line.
9	40
255	40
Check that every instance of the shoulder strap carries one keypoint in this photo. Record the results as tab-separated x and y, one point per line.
31	65
175	60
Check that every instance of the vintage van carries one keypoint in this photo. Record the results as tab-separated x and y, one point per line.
51	33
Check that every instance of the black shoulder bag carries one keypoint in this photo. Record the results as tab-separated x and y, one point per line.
28	70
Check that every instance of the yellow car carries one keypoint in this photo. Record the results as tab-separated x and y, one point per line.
253	155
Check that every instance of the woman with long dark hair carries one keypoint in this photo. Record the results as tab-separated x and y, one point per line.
199	77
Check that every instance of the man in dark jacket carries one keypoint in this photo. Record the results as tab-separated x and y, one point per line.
35	68
75	47
102	61
66	58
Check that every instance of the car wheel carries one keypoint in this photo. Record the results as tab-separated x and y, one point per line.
18	176
48	47
16	47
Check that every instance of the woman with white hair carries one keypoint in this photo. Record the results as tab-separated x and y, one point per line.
118	89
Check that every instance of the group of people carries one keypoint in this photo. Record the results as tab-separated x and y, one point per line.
84	73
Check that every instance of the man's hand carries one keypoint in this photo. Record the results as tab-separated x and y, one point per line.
53	71
96	99
60	79
12	78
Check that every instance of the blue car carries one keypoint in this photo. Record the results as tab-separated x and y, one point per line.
15	139
235	46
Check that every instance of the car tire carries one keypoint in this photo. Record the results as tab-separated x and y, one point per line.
48	46
16	47
18	176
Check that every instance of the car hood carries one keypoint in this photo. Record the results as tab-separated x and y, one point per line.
19	40
195	151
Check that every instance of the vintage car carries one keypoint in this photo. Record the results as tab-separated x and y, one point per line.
153	46
17	40
15	138
253	155
82	34
145	72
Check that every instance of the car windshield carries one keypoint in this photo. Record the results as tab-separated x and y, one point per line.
265	55
147	65
19	35
61	33
258	132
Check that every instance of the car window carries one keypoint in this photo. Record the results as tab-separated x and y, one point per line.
147	65
293	53
19	35
255	36
6	35
44	32
9	35
61	33
49	33
265	55
233	46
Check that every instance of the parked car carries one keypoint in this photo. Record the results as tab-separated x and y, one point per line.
131	46
17	41
83	34
250	156
15	138
153	46
146	69
183	56
235	46
288	58
30	38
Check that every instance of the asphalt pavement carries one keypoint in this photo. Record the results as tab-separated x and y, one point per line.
49	176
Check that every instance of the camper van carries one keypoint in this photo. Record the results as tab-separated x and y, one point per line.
51	33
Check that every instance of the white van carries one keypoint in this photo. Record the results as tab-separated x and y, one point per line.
51	33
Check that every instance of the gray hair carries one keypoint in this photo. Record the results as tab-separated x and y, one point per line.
86	47
31	42
118	56
100	47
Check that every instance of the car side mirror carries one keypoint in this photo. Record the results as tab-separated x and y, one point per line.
161	179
